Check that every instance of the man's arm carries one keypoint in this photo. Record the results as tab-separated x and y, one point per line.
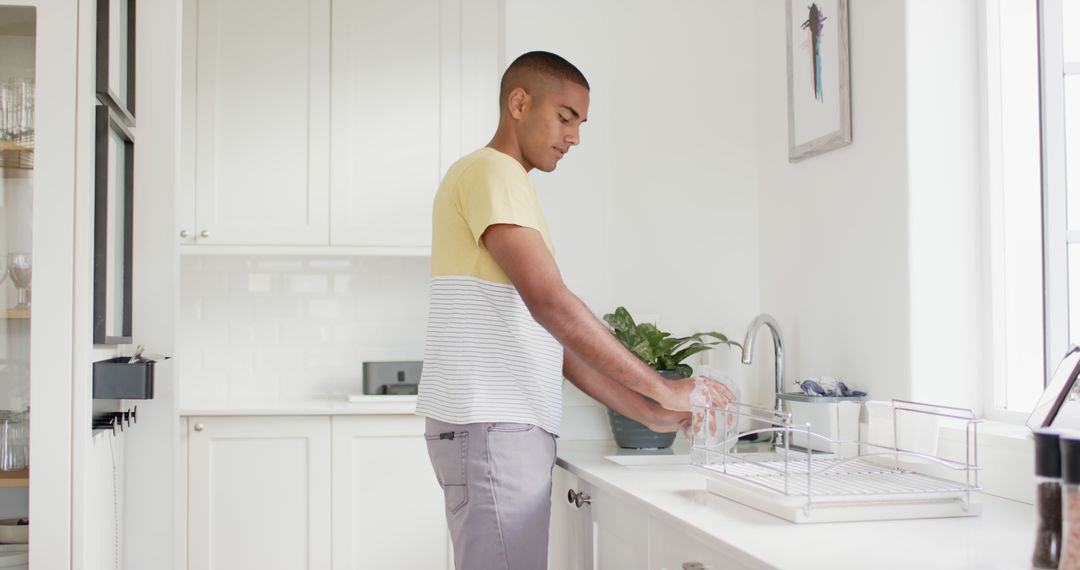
620	398
523	256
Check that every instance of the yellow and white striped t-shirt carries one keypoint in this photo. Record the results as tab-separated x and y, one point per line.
486	358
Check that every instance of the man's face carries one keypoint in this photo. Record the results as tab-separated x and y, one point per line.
551	124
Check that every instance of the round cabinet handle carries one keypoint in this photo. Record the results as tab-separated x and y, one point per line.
570	496
184	233
204	234
198	427
579	499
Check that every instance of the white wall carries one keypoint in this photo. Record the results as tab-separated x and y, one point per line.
257	330
871	254
947	207
656	209
834	228
148	467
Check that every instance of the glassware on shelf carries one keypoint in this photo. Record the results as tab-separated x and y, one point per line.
14	440
17	110
19	270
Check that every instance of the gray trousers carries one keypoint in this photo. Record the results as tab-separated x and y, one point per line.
496	478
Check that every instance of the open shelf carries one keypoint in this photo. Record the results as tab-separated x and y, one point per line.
14	314
17	154
19	478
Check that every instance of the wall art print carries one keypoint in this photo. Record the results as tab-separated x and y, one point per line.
819	96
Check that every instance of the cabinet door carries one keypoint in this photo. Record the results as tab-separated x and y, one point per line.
259	493
262	134
673	549
570	538
410	81
620	533
388	509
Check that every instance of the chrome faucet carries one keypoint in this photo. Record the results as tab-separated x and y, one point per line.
778	344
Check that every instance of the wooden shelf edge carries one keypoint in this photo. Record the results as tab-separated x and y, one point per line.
19	478
15	147
15	314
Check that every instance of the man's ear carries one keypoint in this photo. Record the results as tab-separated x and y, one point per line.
517	102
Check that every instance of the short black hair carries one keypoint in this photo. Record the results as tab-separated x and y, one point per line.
542	63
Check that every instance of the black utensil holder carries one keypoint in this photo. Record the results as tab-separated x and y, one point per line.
119	379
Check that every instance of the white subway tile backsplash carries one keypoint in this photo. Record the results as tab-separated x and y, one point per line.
278	308
228	309
330	265
285	265
228	359
254	330
261	283
324	309
357	334
261	328
279	360
300	283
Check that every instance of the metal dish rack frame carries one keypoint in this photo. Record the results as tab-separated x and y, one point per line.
876	475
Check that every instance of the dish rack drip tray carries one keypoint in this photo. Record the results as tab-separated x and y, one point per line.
875	482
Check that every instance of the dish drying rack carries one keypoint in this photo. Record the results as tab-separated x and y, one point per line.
876	481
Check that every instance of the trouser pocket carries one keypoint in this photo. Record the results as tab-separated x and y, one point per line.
448	452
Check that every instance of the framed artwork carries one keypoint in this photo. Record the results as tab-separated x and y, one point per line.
114	163
819	95
115	81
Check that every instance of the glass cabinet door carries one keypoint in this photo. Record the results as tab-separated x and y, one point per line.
17	63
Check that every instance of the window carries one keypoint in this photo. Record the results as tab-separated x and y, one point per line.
1060	66
1014	206
1033	177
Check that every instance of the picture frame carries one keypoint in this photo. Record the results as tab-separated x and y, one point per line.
115	57
114	170
819	77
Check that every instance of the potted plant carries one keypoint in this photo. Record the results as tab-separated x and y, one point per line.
665	354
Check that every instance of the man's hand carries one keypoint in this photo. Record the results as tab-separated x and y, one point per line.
678	394
667	421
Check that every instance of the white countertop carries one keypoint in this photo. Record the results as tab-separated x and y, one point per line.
1001	537
314	406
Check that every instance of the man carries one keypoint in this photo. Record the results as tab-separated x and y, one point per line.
503	330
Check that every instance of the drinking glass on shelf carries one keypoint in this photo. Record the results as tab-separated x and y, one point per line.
7	111
14	440
19	270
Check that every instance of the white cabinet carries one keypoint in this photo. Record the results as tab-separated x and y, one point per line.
259	493
388	509
620	533
570	536
671	548
313	492
612	532
262	122
330	123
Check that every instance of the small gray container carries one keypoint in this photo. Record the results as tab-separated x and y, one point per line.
118	379
397	377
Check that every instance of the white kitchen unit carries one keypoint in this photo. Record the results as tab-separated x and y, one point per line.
612	531
330	124
259	493
570	539
262	123
689	528
337	486
673	548
387	509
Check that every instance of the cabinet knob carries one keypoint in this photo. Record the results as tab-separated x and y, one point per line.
694	566
184	233
204	234
198	427
578	498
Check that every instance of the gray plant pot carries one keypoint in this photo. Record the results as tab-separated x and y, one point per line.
631	434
